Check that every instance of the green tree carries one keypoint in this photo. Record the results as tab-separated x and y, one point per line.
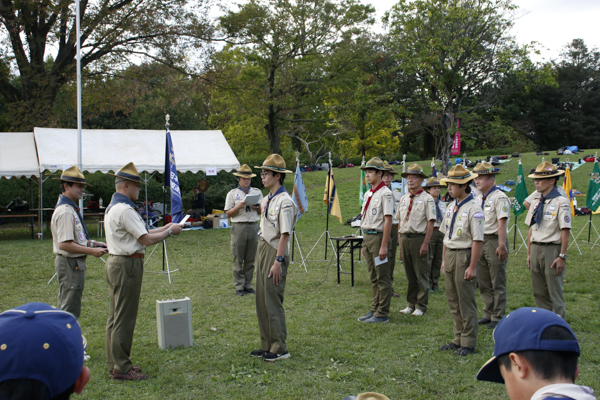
112	33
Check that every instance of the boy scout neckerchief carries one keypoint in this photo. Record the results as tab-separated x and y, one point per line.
269	198
372	190
539	210
456	209
485	196
119	198
412	196
65	200
438	212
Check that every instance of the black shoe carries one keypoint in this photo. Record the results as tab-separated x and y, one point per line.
240	292
274	357
464	351
492	324
484	321
258	353
249	291
449	346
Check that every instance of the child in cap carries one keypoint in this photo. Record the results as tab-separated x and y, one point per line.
41	353
535	356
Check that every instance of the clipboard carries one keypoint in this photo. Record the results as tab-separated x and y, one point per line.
252	199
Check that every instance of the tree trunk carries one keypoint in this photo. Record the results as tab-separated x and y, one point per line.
272	132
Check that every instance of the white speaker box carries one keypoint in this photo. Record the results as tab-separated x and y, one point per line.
174	323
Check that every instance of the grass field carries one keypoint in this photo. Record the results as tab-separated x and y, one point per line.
333	355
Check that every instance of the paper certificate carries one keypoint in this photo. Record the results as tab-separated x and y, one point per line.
379	261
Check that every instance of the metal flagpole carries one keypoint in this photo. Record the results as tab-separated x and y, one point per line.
515	238
328	206
79	124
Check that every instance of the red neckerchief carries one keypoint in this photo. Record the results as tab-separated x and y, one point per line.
412	196
369	198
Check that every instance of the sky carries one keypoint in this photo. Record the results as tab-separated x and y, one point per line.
551	23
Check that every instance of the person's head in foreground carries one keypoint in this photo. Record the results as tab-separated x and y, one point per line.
41	353
535	356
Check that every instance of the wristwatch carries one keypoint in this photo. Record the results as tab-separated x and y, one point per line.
170	233
563	256
279	258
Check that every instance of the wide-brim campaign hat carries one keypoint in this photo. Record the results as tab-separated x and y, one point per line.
130	173
414	169
390	169
275	163
244	172
74	175
434	182
485	168
522	330
203	185
546	170
459	175
374	163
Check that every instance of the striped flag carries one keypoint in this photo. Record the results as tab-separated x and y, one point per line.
331	198
299	195
569	189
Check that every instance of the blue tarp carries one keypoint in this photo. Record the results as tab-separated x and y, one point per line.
574	149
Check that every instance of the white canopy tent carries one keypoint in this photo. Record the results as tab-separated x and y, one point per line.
18	157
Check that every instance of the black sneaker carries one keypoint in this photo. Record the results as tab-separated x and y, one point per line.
274	357
240	292
250	291
449	346
492	324
464	351
366	316
258	353
484	321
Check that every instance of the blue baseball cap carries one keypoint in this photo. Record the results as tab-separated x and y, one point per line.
40	342
521	330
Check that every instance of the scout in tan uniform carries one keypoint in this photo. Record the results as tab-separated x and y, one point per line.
549	221
127	238
494	252
436	244
278	217
71	242
416	214
463	227
388	177
376	224
244	230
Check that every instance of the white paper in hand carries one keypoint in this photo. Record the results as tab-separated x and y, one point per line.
378	261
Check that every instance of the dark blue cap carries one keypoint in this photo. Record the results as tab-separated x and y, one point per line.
522	330
39	342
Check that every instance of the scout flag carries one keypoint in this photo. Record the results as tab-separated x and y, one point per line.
569	189
456	144
172	182
520	193
299	195
331	197
364	186
592	200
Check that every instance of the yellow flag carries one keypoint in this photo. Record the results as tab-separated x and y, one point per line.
331	198
568	189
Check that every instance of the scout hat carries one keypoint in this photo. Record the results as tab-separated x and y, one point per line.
433	182
72	174
203	185
414	169
390	169
522	330
130	173
459	175
244	172
485	168
546	170
275	163
374	163
39	342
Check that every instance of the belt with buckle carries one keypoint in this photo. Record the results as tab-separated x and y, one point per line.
412	235
136	255
246	222
371	232
546	244
447	248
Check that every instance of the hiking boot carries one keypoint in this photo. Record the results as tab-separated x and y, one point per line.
366	316
250	291
492	324
274	357
484	321
258	353
464	351
449	346
129	376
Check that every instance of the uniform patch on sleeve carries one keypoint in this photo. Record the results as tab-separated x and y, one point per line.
567	219
478	215
389	194
505	209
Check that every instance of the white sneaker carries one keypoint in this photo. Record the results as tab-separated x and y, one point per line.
407	311
86	357
418	313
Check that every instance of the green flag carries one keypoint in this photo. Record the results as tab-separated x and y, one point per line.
593	194
521	193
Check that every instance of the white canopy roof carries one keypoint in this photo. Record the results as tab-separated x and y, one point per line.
18	157
110	149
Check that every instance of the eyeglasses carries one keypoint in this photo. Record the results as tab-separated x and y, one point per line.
263	174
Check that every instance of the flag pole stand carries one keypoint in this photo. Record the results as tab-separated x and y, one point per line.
295	242
516	228
589	224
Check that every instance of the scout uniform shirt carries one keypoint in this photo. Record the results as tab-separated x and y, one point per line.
124	226
236	196
65	226
281	218
397	197
496	207
468	225
557	216
381	204
422	211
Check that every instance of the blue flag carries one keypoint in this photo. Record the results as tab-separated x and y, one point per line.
172	182
299	195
